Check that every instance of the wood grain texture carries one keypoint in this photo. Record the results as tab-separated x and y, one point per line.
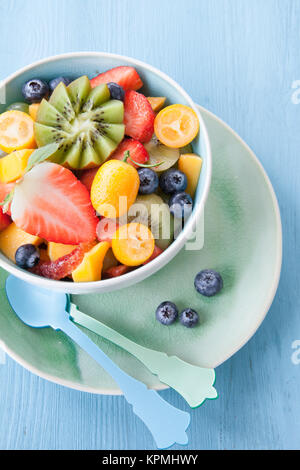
238	59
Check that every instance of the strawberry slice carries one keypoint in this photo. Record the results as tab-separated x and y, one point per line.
137	152
116	271
60	268
87	177
126	77
5	220
51	203
138	116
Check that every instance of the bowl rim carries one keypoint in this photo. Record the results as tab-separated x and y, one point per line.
147	270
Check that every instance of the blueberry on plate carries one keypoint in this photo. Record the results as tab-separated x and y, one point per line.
189	318
35	90
208	282
173	181
116	91
166	313
56	81
148	181
27	256
181	205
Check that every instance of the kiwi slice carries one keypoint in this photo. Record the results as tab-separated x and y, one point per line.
158	153
152	211
85	122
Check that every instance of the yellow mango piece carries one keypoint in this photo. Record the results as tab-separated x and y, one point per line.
57	250
190	164
12	237
33	109
90	269
12	166
157	102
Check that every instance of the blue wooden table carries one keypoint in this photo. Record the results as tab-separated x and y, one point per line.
240	59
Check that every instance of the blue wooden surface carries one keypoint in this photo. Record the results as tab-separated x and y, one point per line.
239	59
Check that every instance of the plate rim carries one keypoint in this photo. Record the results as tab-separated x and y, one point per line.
265	309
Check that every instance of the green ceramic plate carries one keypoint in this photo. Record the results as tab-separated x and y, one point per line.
242	233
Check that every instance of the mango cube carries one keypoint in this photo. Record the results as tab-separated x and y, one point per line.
12	166
90	269
157	102
13	237
33	109
190	164
57	250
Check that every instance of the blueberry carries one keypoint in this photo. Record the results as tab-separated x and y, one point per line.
189	318
35	90
173	181
166	313
181	205
27	256
148	181
55	81
208	282
116	91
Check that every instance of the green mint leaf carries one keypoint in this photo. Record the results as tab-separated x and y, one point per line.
6	202
41	154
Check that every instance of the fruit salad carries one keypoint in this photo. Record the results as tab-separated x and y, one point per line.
94	176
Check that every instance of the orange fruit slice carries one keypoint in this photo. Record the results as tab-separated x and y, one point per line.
176	125
16	131
133	244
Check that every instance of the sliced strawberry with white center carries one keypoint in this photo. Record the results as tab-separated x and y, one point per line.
126	77
138	116
137	152
50	202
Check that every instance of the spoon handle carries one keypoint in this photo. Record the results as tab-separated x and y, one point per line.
195	384
166	423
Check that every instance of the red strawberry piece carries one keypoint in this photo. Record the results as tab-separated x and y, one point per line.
106	229
138	116
116	271
137	152
157	251
5	189
5	220
50	202
63	266
125	76
87	177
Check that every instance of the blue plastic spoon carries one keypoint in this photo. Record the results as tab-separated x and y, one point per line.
40	308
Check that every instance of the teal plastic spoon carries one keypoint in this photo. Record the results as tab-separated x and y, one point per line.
194	383
40	308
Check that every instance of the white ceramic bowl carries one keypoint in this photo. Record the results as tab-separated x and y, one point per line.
156	83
